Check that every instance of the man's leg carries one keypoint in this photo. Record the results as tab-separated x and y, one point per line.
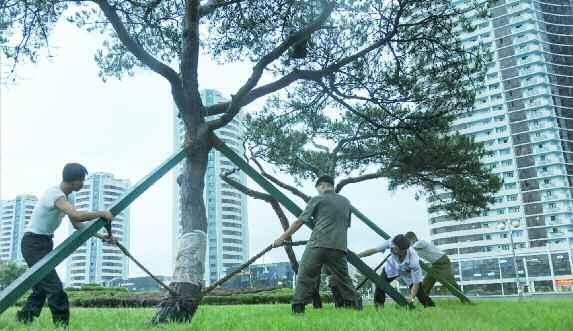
424	298
429	281
307	278
316	300
33	249
444	269
379	294
338	267
57	299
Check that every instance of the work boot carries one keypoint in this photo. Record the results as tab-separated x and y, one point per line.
316	300
298	308
337	297
62	319
358	303
25	317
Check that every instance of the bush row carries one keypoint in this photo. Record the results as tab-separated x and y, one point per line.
121	299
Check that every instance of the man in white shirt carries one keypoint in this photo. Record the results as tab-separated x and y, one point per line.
37	242
441	265
403	262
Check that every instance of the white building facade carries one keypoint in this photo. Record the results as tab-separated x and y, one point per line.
524	115
14	220
96	262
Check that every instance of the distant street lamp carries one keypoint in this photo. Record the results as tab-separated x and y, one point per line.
510	226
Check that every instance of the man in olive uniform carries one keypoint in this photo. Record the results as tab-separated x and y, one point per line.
441	265
329	215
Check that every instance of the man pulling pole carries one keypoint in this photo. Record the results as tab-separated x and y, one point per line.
37	243
329	215
403	262
441	265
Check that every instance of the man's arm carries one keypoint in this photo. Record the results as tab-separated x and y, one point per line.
368	252
108	238
416	275
288	233
380	249
80	216
413	292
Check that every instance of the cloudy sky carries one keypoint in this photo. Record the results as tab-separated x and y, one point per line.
59	111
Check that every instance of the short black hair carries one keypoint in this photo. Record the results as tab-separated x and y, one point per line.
411	235
401	242
74	171
324	179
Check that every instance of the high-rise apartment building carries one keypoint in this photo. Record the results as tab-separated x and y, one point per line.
524	115
96	262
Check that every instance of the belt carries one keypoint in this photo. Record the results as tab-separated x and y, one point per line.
50	236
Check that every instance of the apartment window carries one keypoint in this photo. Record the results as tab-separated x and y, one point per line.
546	181
553	205
508	174
510	186
548	194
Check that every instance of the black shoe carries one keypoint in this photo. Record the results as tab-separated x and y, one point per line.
25	317
298	308
316	301
358	305
61	320
337	297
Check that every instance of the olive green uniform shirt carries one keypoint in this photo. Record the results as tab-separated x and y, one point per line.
329	216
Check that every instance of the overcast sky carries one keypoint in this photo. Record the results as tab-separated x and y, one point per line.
59	111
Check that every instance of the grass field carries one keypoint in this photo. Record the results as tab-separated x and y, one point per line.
540	314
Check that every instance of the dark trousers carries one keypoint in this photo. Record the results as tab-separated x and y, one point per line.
34	248
380	295
442	268
313	259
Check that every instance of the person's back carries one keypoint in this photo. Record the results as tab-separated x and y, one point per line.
331	220
427	250
328	214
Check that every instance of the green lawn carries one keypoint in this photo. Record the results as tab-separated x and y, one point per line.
540	314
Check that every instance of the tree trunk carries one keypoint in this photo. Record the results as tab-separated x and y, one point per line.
192	243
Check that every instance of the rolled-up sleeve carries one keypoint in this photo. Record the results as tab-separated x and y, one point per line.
307	215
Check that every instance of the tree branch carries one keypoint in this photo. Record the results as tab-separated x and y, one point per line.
213	5
351	180
237	100
295	75
274	203
273	179
135	47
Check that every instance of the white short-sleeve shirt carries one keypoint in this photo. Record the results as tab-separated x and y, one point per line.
46	217
409	269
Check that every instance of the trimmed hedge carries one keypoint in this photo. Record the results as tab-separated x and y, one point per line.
114	298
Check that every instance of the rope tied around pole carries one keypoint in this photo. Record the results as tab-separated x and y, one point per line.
175	297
